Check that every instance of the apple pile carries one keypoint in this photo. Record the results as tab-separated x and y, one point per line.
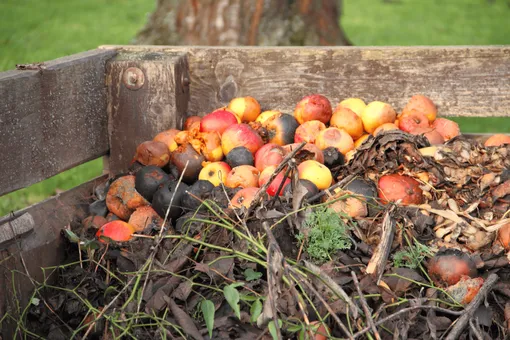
238	147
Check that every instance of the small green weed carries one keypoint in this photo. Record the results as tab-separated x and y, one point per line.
327	233
412	256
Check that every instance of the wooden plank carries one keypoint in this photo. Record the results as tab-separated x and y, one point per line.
41	247
155	103
52	118
462	81
466	81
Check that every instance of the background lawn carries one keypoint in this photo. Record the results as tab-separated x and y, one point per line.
40	30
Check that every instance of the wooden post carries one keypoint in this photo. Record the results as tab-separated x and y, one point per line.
148	93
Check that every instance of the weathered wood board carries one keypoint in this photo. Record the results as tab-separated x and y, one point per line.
52	118
38	242
466	81
155	101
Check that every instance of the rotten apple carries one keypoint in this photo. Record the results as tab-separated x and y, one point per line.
186	154
122	198
446	128
240	135
275	183
269	154
152	153
313	107
422	104
281	129
215	172
308	131
168	137
239	156
344	118
412	120
243	176
395	187
148	179
448	266
334	137
244	197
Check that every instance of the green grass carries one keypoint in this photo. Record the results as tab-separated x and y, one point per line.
41	30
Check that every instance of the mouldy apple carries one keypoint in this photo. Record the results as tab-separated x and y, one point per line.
188	123
215	172
269	154
152	153
334	137
144	217
448	266
186	154
148	179
313	107
122	198
281	129
239	156
395	187
168	137
243	176
170	192
308	131
244	197
376	114
195	194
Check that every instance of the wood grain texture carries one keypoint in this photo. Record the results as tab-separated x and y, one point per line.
465	81
42	247
138	115
52	119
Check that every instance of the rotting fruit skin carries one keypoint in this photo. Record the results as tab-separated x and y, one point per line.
447	267
313	107
396	187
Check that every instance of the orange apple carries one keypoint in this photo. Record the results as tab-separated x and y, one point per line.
244	197
247	109
215	172
421	104
376	114
385	127
355	104
344	118
243	176
360	140
396	187
167	137
446	128
337	138
497	140
308	131
315	172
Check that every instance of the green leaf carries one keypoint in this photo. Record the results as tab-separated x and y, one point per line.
208	313
272	328
109	289
35	301
255	310
72	236
251	275
91	244
248	298
232	297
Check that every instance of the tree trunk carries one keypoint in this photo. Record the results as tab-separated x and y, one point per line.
244	22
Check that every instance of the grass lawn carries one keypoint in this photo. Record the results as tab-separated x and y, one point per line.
40	30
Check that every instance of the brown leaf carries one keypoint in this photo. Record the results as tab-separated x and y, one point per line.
399	285
183	320
183	291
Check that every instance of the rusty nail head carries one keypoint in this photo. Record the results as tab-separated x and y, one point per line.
133	78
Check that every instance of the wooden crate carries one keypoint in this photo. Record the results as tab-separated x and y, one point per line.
105	102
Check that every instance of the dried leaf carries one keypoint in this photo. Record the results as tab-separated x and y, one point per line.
183	291
184	320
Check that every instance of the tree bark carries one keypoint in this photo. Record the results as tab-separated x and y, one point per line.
244	22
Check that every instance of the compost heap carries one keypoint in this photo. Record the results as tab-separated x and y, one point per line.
350	223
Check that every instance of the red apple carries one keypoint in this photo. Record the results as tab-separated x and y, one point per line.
413	120
275	184
313	107
446	128
240	135
217	121
431	134
269	154
400	187
308	131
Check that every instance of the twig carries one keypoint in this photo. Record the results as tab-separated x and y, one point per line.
475	330
292	165
472	307
326	305
403	311
364	304
331	284
278	169
378	261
